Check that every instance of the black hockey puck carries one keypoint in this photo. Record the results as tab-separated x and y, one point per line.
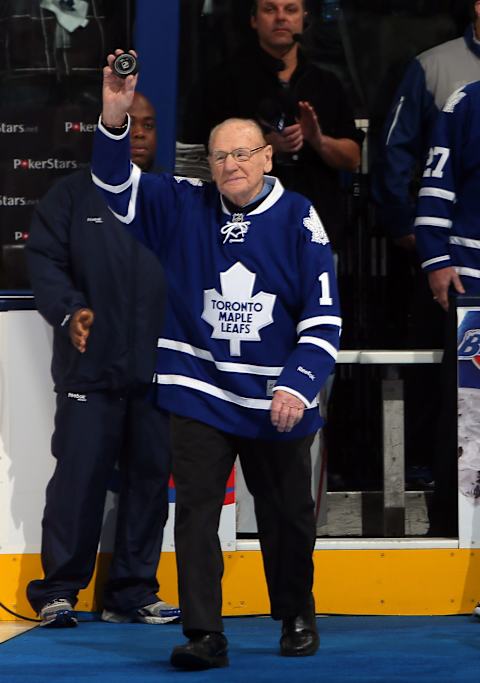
125	65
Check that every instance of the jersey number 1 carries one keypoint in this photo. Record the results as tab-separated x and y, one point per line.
325	299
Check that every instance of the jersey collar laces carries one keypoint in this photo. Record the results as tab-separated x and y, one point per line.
236	229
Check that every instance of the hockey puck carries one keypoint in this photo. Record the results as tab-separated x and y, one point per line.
125	65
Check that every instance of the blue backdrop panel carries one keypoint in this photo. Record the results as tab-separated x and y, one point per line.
156	41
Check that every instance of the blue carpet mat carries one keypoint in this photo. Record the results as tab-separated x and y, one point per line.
353	649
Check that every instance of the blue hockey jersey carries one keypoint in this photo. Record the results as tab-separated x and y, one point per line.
428	82
447	226
252	298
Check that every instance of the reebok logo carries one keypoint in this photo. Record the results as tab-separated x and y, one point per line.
82	398
308	373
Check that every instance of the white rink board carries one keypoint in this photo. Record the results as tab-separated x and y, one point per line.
27	405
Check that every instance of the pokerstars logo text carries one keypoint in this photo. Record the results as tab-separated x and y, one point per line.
80	127
12	201
16	128
44	164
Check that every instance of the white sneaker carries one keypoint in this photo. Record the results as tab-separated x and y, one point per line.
159	612
476	611
58	614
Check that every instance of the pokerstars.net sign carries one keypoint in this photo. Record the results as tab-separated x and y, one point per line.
44	164
8	128
235	314
80	127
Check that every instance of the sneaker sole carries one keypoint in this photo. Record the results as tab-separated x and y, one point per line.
61	620
114	618
158	620
191	662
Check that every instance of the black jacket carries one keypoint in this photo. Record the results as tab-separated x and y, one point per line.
248	87
80	256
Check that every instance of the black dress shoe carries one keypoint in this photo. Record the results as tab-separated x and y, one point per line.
205	651
299	634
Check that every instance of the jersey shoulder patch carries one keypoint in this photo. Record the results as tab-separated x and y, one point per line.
193	181
313	223
456	97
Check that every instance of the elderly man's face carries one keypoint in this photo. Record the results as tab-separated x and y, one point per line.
277	21
239	181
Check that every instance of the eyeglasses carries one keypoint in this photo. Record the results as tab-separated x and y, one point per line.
240	154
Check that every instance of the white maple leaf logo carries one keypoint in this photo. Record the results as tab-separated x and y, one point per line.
313	223
235	314
456	97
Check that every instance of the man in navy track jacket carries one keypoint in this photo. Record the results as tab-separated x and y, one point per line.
103	294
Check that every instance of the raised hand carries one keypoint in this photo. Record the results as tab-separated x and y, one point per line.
308	121
117	93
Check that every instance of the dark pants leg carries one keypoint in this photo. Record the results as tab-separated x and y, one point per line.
203	458
85	444
423	383
142	508
278	475
444	512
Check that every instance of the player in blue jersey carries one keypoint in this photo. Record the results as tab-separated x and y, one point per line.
447	226
251	335
428	82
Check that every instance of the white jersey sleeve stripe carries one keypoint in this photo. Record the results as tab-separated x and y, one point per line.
130	215
438	259
470	272
319	320
437	192
465	242
114	189
316	341
434	221
395	119
112	136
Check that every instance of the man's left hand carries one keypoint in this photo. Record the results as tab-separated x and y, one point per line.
308	121
286	411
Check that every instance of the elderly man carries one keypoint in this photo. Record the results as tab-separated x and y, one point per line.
251	334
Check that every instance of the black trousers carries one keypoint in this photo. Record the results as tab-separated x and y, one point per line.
278	475
89	437
444	509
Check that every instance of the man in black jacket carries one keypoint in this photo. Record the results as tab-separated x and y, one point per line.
103	294
302	109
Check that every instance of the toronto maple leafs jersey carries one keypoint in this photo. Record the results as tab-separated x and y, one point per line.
252	298
447	225
428	82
